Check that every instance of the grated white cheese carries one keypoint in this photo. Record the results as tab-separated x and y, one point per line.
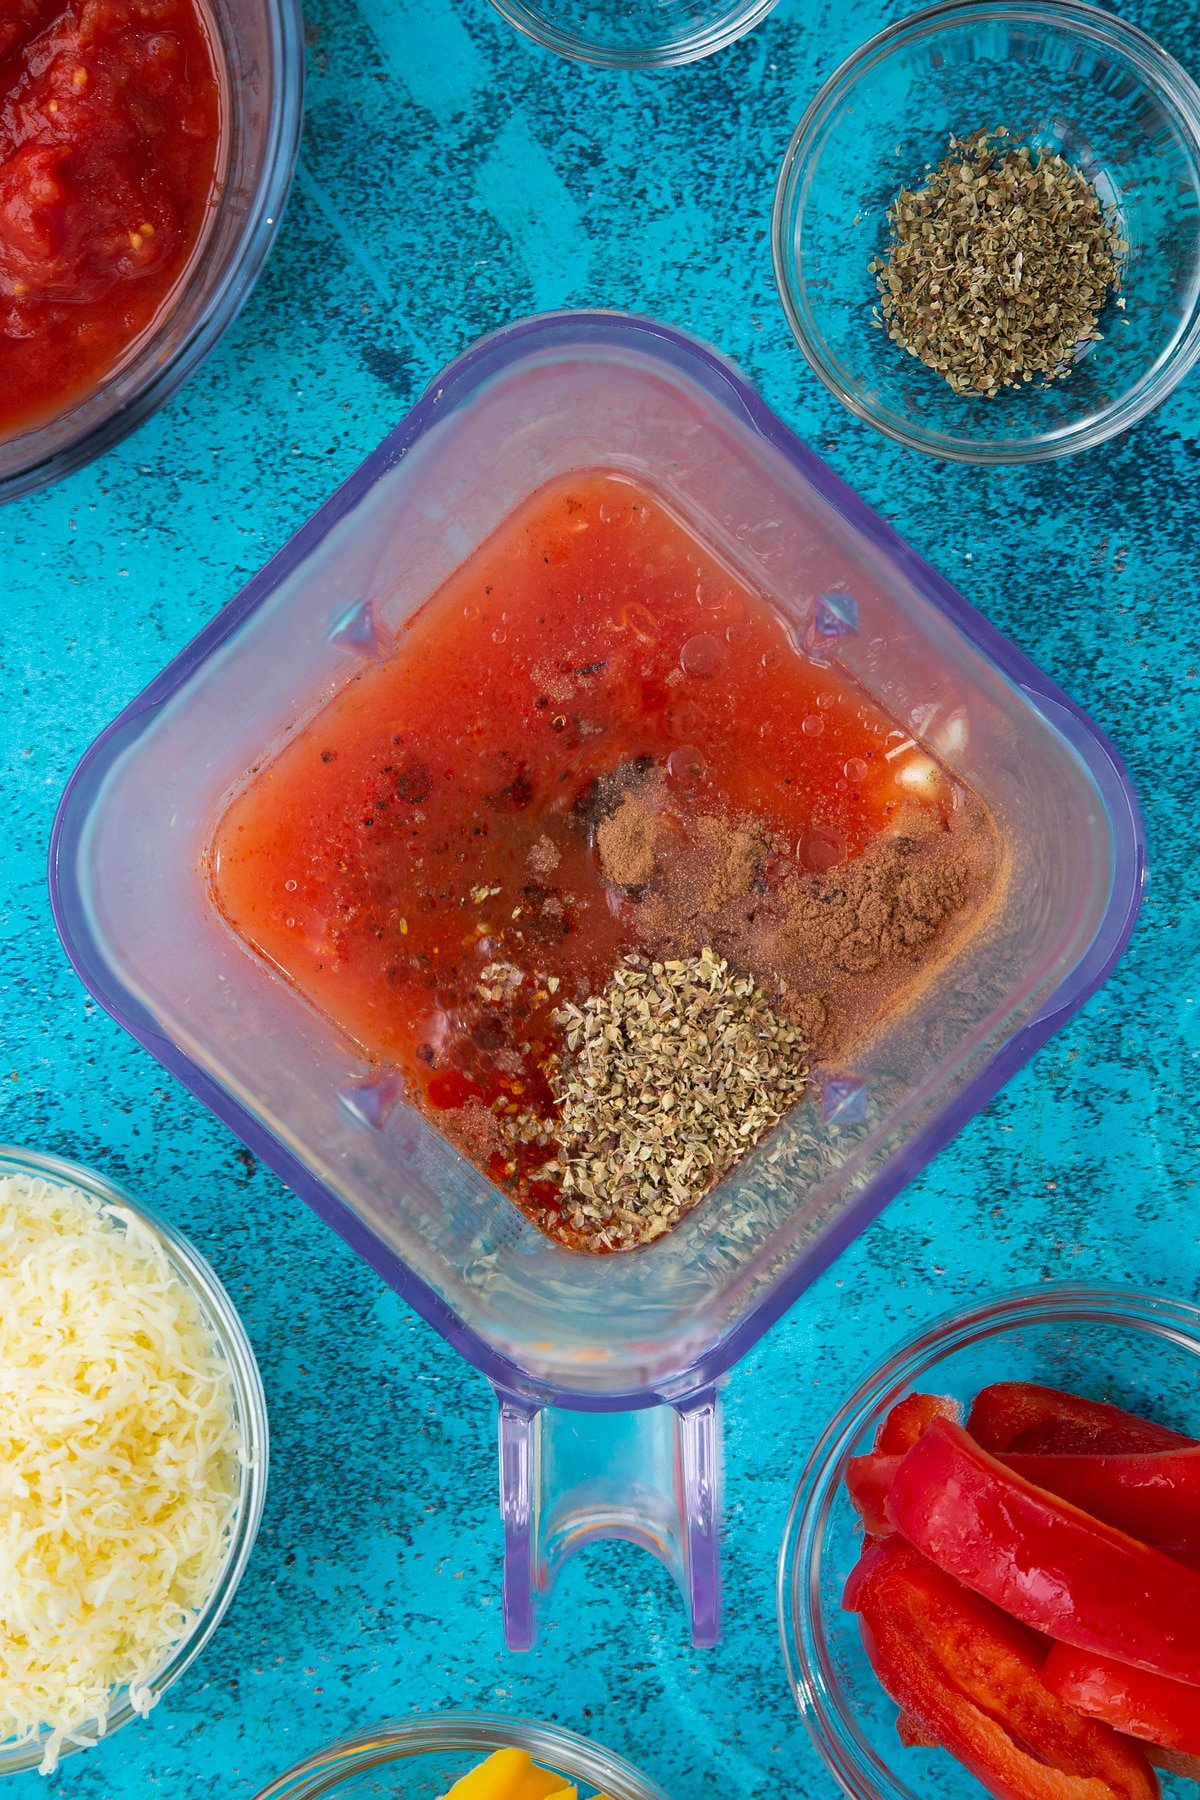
119	1452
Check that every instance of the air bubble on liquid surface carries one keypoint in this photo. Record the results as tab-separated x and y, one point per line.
821	850
714	597
762	537
436	1029
737	633
855	769
812	725
703	656
685	720
686	763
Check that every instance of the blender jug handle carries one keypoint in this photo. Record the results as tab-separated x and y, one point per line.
568	1479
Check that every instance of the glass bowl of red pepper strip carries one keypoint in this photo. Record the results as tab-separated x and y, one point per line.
1114	1348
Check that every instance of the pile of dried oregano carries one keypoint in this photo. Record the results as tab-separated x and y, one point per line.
668	1077
997	268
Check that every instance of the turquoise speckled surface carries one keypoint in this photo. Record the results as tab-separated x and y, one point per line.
453	177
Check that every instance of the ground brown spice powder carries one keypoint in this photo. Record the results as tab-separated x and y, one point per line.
628	843
881	906
841	949
475	1129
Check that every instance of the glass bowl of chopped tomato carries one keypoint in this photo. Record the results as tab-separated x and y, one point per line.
1079	90
1076	1386
37	1172
145	158
429	1755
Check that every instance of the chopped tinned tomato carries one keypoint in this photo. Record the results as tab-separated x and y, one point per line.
110	138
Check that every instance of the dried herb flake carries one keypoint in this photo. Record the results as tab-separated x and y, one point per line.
996	271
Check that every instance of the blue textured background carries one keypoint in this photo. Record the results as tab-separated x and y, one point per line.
453	177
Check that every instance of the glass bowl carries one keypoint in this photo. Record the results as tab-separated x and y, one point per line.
262	46
1058	74
435	1752
634	34
250	1402
1138	1350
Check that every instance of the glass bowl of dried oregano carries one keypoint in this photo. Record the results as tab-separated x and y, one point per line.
987	229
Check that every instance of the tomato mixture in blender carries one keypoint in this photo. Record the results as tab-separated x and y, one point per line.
599	858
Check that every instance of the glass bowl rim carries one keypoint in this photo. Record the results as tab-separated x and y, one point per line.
1157	70
157	381
1137	1308
739	17
251	1400
396	1739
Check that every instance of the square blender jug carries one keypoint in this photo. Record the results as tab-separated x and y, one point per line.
605	1366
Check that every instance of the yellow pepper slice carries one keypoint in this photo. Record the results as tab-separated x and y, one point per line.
510	1775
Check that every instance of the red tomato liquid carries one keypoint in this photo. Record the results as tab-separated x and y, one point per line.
431	820
110	141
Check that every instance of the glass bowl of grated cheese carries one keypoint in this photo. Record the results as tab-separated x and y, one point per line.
132	1392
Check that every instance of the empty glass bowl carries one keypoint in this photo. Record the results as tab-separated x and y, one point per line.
262	46
634	34
1062	76
419	1759
229	1334
1138	1350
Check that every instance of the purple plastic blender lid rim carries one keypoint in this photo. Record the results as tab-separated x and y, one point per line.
459	380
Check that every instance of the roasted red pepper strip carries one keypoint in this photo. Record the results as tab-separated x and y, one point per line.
909	1418
868	1483
970	1679
1130	1700
1044	1561
1154	1497
1022	1416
